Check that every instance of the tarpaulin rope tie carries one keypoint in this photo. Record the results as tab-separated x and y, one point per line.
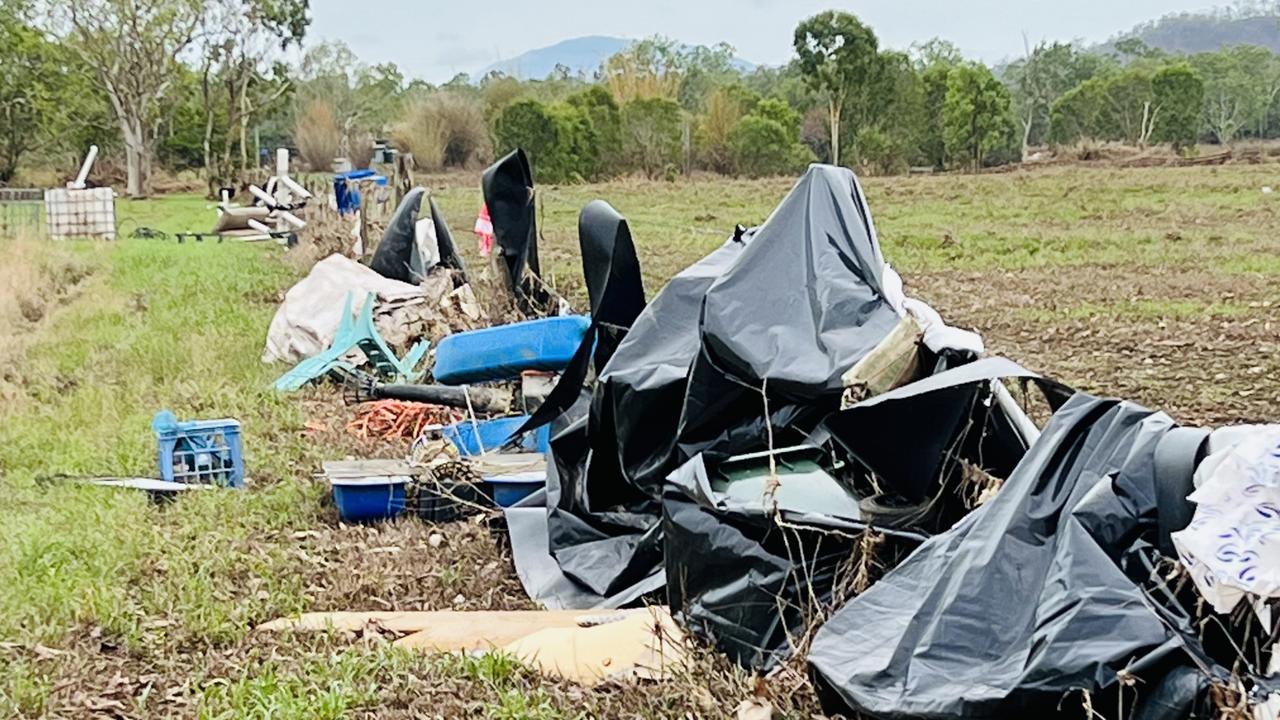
471	413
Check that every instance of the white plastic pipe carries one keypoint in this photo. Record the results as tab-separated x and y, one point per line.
282	172
262	195
297	222
85	167
1023	424
264	229
295	187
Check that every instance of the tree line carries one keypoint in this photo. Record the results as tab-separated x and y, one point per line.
186	84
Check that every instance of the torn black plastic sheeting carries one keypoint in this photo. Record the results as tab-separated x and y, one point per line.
1048	590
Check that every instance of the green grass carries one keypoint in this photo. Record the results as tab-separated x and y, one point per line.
320	689
168	214
162	325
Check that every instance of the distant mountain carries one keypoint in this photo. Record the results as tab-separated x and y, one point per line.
1190	33
580	54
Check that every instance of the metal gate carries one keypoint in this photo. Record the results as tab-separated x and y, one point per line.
21	212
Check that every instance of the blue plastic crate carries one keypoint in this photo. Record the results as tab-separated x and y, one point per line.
503	352
493	434
204	452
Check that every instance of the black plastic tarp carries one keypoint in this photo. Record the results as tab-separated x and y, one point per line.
398	256
786	309
615	290
933	416
800	308
750	574
608	464
1050	589
744	581
507	186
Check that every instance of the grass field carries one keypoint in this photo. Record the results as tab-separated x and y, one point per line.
1159	285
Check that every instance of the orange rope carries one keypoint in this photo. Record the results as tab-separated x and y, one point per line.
398	419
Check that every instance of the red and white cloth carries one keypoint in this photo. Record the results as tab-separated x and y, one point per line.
484	231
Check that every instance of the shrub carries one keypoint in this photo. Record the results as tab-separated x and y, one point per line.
360	149
723	113
762	146
599	107
882	152
651	129
561	141
780	112
1179	91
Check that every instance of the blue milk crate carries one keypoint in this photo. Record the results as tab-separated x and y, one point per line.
203	452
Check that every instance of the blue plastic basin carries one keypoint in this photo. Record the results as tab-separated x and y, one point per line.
505	351
508	491
368	500
493	434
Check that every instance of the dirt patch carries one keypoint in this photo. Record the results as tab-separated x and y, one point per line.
409	565
1195	343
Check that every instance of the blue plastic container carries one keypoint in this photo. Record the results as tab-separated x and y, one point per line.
346	188
493	434
369	499
511	489
505	351
206	452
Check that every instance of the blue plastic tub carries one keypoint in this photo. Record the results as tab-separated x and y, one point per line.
369	499
507	490
505	351
205	452
494	433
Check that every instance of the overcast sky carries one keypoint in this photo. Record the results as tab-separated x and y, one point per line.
434	39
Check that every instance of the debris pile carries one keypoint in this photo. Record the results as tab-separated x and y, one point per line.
803	464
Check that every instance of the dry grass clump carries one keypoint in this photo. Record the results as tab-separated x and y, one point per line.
444	129
318	134
33	279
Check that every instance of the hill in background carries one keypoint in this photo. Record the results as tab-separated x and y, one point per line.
581	55
1189	33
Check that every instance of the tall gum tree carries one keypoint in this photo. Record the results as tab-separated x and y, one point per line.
837	56
133	46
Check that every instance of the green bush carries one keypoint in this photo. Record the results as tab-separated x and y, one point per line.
652	129
606	122
780	112
561	141
1179	92
884	153
762	146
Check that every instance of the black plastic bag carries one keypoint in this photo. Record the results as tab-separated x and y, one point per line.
398	256
507	186
1049	589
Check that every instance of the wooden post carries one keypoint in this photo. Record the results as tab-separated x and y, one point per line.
282	192
365	251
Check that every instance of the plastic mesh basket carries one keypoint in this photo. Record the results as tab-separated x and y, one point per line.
206	452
